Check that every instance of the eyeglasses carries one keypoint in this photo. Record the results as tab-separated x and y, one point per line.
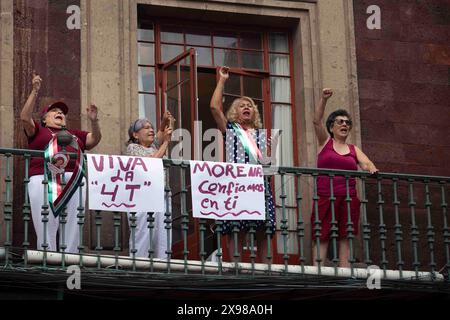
342	121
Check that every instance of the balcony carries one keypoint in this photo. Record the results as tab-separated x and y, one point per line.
404	235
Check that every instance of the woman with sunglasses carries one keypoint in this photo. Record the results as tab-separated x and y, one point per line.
335	153
143	142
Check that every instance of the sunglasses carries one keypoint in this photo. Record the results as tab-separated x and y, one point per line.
342	121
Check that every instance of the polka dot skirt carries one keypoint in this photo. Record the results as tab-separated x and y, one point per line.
235	153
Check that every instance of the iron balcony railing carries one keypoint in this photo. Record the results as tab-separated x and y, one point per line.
404	228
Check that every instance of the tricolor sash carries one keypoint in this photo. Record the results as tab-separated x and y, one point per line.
248	143
55	162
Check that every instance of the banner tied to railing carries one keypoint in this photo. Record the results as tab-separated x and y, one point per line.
227	191
122	183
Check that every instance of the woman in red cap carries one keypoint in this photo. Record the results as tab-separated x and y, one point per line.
39	135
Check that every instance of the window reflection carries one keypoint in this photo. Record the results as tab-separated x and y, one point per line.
169	51
252	87
227	58
278	42
198	39
146	53
146	79
204	57
252	60
280	89
172	37
147	107
233	85
251	41
225	41
146	35
279	64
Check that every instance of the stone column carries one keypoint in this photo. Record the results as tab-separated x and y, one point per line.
6	94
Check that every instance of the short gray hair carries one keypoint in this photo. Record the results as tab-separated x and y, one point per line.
135	127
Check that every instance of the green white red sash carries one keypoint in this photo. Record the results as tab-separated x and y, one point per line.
248	142
58	197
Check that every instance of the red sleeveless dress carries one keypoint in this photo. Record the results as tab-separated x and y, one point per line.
328	158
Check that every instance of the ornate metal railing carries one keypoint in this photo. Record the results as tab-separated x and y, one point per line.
404	229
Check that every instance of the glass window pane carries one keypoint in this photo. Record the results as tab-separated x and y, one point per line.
172	35
260	105
172	75
146	53
204	56
172	101
278	42
147	107
146	35
226	103
169	52
233	85
251	41
252	60
279	64
186	107
198	39
225	41
282	119
280	89
147	79
252	87
185	73
227	58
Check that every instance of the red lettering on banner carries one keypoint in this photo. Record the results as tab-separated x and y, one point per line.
98	166
129	176
128	164
240	172
113	194
139	162
201	167
132	187
117	177
212	204
200	188
255	172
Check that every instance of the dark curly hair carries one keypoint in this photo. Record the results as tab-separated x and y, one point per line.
332	117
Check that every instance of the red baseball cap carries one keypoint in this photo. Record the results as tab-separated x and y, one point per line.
58	104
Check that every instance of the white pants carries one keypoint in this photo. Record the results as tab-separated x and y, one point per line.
142	235
71	229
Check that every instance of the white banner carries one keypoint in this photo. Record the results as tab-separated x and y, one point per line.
227	191
122	183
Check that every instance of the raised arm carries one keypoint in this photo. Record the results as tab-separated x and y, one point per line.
319	127
167	121
216	100
364	162
26	115
167	135
94	137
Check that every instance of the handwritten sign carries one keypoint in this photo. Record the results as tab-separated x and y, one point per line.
227	191
122	183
